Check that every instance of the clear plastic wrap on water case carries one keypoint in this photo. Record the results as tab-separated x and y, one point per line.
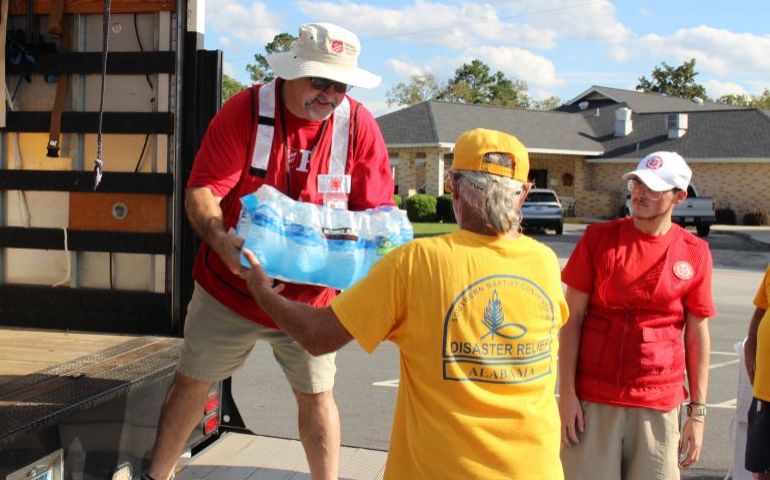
306	243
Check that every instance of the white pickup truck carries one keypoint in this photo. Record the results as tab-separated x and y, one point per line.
696	211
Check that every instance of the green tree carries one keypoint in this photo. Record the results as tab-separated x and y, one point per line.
230	87
260	71
547	104
674	81
506	92
761	101
743	100
419	89
738	99
474	83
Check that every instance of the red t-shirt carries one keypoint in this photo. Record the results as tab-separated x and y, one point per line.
222	166
636	263
641	288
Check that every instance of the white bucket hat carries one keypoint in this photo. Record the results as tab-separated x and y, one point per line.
661	171
323	50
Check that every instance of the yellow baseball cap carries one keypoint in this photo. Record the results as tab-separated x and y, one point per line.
471	146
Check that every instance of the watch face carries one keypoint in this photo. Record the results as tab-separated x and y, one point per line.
696	411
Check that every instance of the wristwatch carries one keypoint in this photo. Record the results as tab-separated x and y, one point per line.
696	410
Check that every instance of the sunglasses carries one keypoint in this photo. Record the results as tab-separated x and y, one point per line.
635	184
319	83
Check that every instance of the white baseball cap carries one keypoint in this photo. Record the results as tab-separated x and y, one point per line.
323	50
661	171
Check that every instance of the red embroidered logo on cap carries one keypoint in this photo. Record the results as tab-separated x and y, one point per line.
337	46
683	270
654	163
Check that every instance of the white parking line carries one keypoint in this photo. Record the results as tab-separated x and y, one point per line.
723	364
387	383
729	354
728	404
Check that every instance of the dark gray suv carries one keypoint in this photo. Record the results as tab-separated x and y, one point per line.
542	208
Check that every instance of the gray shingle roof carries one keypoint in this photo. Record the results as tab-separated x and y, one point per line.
711	134
714	130
411	126
641	102
435	122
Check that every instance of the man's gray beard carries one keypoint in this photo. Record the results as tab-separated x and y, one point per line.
333	103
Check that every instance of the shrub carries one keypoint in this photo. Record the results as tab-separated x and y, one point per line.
726	216
444	210
756	216
421	208
397	200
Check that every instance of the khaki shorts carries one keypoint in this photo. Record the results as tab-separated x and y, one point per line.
217	342
624	443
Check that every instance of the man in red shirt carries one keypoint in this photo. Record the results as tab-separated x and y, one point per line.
304	136
633	286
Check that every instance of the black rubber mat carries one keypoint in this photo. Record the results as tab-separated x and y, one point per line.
41	399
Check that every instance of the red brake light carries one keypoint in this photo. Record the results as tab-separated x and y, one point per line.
212	404
211	424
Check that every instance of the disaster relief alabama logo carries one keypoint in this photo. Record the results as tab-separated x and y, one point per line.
500	329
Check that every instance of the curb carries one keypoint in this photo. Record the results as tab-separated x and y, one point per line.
759	244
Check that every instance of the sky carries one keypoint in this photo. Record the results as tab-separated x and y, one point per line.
558	47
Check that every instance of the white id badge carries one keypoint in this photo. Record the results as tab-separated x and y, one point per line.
334	189
334	184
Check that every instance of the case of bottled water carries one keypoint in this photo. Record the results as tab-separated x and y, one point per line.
305	243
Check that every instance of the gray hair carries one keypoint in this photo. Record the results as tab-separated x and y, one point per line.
493	197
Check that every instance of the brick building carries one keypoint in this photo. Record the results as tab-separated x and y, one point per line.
582	148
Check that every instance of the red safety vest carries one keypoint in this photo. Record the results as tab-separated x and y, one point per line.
635	356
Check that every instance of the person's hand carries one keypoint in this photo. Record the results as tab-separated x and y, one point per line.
228	247
259	283
691	442
750	357
571	419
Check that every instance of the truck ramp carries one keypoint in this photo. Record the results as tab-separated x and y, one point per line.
237	456
48	377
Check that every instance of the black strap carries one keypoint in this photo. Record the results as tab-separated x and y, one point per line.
266	121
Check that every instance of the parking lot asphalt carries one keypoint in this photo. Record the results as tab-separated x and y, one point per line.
756	236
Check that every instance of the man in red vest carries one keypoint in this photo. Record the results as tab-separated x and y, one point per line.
304	136
634	285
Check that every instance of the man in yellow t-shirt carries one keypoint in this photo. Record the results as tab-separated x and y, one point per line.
757	354
476	316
